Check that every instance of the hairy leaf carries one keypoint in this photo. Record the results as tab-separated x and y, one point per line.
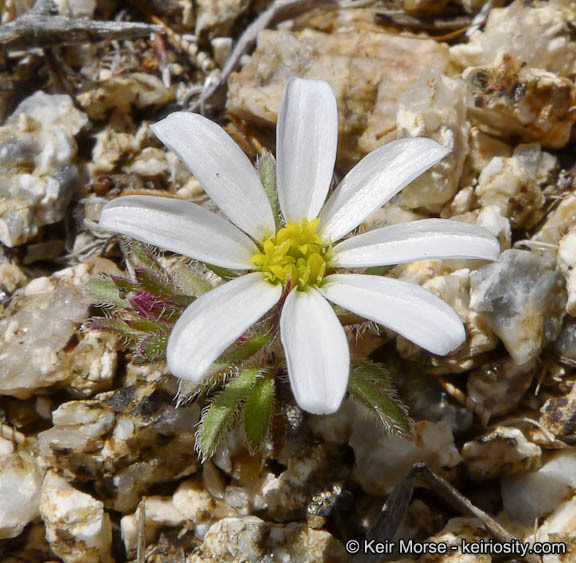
115	325
106	291
153	347
223	410
191	282
267	171
224	273
147	326
124	285
154	284
258	410
378	270
370	385
243	350
142	255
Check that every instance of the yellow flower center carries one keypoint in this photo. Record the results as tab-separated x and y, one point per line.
295	254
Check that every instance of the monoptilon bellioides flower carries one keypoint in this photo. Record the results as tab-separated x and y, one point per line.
296	265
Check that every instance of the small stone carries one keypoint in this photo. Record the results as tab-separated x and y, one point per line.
76	8
367	72
456	530
190	506
536	33
522	298
198	506
77	527
159	512
213	479
502	451
237	537
6	447
239	499
249	538
93	365
482	149
491	218
566	256
557	224
565	345
510	186
560	526
111	145
149	162
123	442
309	472
20	486
533	495
434	108
390	214
454	289
515	101
567	251
219	14
38	174
426	400
129	532
11	278
558	416
500	385
56	112
382	460
39	323
425	8
221	48
119	93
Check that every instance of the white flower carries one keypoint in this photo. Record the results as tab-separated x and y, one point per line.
296	262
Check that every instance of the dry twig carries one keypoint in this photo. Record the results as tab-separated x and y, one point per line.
399	18
279	10
390	518
41	28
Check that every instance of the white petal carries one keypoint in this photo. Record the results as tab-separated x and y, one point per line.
316	352
416	240
377	178
306	139
179	226
214	321
406	308
222	169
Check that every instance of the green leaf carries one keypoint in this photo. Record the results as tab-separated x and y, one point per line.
106	291
240	352
214	378
191	282
182	300
258	411
141	325
267	170
104	323
153	347
378	270
224	273
154	284
128	329
220	415
140	254
371	386
375	372
125	285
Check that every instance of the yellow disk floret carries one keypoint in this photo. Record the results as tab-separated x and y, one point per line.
296	254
